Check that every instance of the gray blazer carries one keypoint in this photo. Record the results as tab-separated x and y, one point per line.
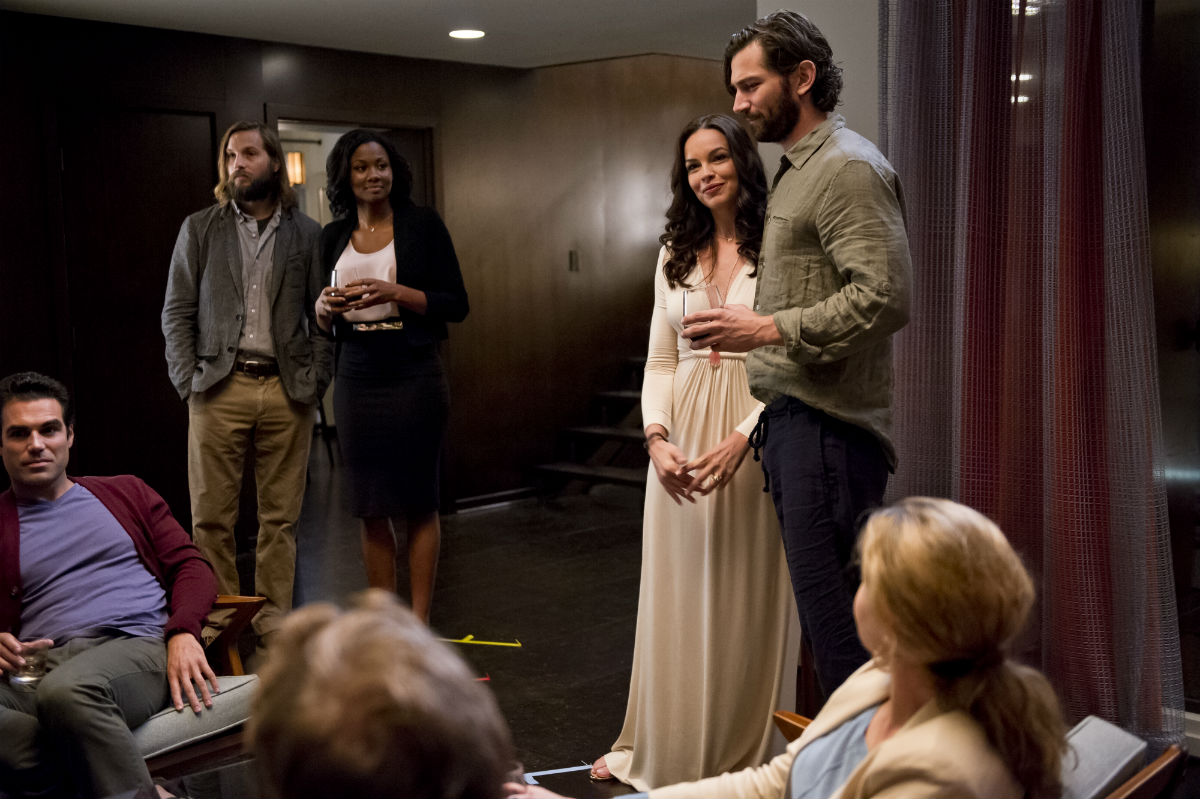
202	314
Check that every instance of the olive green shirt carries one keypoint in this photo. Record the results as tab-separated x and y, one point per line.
835	274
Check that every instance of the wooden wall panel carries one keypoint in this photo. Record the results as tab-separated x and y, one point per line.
529	165
129	419
1172	118
567	158
32	315
373	88
1171	108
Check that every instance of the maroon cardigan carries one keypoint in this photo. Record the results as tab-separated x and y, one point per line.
164	548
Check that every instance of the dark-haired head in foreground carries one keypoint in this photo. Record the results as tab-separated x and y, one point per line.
365	702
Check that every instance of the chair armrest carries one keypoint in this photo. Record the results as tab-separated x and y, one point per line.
1155	778
231	614
792	725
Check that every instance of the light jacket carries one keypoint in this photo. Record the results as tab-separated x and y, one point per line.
935	754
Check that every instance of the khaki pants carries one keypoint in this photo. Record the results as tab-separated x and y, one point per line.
238	415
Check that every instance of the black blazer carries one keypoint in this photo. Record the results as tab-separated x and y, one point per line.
425	260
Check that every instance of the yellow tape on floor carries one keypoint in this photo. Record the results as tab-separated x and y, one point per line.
470	639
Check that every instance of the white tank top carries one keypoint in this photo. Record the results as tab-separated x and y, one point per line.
354	265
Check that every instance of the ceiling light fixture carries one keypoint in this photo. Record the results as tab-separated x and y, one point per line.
466	33
1032	7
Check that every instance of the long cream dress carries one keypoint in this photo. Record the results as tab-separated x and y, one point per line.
717	630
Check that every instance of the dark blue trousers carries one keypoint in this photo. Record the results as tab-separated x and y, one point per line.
824	475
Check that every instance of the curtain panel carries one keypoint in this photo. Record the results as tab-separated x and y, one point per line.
1026	384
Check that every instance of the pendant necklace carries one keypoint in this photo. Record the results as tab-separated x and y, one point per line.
371	227
714	357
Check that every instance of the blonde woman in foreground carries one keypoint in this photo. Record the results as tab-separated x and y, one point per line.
940	710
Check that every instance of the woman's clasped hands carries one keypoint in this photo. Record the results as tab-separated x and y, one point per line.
359	294
682	478
670	464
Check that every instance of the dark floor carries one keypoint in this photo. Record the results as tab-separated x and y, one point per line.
560	577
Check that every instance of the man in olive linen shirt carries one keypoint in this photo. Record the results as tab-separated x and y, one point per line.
834	277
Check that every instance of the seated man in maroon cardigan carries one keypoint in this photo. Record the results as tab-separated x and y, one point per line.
96	572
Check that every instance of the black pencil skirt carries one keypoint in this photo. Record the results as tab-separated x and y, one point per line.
391	419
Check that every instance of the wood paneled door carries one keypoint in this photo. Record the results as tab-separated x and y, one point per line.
125	173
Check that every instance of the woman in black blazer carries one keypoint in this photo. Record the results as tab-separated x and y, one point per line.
395	284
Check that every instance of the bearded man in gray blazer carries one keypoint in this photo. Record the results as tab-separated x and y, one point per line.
244	351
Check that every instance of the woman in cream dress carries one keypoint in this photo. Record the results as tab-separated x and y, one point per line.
716	642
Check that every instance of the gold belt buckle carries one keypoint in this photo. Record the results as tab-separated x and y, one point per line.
362	327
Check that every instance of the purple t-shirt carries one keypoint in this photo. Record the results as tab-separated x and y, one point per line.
81	574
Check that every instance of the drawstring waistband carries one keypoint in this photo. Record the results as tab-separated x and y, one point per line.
758	439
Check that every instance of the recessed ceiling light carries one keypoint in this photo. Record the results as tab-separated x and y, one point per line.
466	34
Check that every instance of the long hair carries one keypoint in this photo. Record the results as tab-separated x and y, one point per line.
365	702
283	190
954	594
690	227
787	38
337	171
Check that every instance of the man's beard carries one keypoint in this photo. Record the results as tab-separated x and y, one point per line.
777	122
255	190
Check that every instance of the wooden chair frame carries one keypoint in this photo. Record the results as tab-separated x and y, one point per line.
1157	778
222	651
790	724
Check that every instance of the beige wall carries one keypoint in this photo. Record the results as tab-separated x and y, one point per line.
852	28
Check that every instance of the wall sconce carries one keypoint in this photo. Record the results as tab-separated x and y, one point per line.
295	168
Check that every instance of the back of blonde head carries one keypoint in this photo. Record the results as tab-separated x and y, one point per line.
955	595
366	702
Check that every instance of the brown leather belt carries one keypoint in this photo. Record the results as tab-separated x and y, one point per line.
257	368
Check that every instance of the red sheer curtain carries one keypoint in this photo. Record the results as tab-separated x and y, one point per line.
1026	384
